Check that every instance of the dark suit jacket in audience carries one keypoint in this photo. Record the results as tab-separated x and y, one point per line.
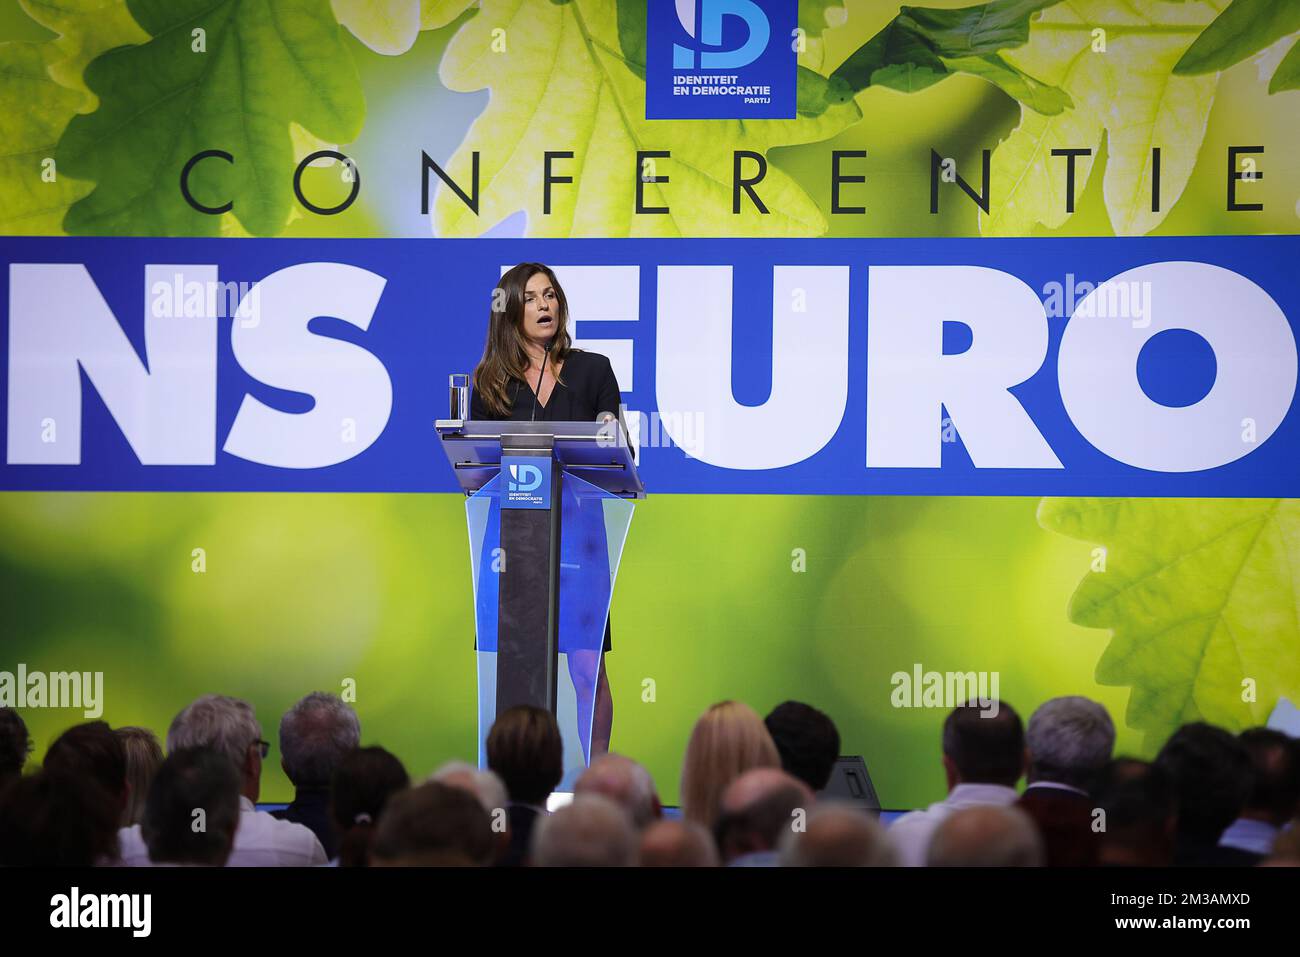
311	808
520	818
1064	818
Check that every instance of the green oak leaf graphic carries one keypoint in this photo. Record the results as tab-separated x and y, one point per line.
41	90
815	17
1244	28
1287	76
1034	94
266	64
86	29
565	77
35	111
391	26
436	14
921	46
1203	600
1115	60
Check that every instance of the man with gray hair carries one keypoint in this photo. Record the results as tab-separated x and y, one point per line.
624	782
837	834
316	734
480	782
1068	742
986	836
590	831
228	726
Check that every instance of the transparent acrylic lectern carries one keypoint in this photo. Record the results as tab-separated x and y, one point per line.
548	507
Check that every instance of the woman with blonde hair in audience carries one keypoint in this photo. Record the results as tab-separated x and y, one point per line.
727	740
143	758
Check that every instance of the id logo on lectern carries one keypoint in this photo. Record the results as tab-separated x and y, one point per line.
720	59
528	481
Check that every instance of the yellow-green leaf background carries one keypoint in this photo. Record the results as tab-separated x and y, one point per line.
304	591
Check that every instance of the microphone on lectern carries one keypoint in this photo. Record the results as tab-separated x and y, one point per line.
538	391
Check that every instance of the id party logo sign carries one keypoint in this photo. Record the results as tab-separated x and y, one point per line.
721	59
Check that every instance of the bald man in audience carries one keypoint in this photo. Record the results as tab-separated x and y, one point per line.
677	844
590	831
624	782
837	835
987	836
756	811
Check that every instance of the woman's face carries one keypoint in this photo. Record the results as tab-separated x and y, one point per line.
541	309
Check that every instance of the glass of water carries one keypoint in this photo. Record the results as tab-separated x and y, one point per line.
459	400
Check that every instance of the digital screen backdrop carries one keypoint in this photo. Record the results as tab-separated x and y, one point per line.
958	340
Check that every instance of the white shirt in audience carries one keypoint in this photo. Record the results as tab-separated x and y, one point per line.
910	834
1245	834
260	841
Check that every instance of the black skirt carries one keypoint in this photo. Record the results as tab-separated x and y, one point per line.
607	647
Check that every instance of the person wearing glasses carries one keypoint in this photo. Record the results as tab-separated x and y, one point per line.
228	726
531	372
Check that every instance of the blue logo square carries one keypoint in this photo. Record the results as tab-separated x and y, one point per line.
527	481
720	59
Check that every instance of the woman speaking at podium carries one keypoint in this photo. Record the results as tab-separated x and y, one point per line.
531	372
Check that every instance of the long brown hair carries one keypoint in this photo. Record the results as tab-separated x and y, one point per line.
143	758
505	357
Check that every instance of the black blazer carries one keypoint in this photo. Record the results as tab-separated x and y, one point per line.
587	388
311	808
1064	820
